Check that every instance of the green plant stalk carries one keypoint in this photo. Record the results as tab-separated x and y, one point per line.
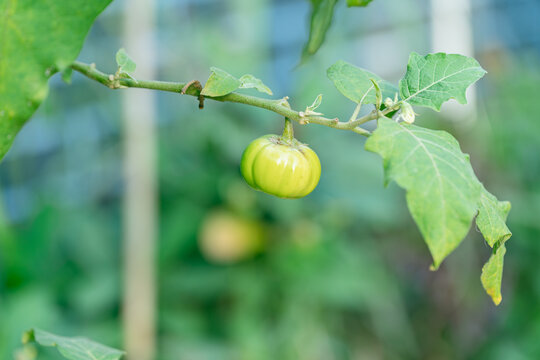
279	106
288	131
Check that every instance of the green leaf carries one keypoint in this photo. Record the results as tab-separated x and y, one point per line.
38	39
73	348
491	219
220	83
125	63
435	78
355	83
358	2
378	93
442	190
249	81
492	274
321	19
443	193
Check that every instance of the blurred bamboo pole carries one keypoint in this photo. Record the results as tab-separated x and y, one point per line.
452	32
140	199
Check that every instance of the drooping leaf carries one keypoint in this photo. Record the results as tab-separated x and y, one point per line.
322	12
442	190
491	219
220	83
355	83
358	2
492	274
38	39
73	348
125	62
435	78
249	81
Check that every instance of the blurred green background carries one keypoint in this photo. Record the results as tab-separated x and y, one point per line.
340	274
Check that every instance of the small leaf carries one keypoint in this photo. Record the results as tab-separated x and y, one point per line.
442	189
407	113
356	83
321	19
310	109
491	219
358	2
435	78
220	83
249	81
73	348
124	62
378	93
492	274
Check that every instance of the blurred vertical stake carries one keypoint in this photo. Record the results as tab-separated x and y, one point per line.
140	199
452	32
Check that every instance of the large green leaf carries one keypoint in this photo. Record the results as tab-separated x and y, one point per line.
355	83
442	190
443	193
435	78
74	348
37	39
322	13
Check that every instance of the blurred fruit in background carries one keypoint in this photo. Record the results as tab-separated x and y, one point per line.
227	238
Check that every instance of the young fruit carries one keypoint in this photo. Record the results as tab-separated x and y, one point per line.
281	166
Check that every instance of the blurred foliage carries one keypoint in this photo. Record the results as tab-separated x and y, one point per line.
342	274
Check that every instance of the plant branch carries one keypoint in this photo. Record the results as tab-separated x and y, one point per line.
279	106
